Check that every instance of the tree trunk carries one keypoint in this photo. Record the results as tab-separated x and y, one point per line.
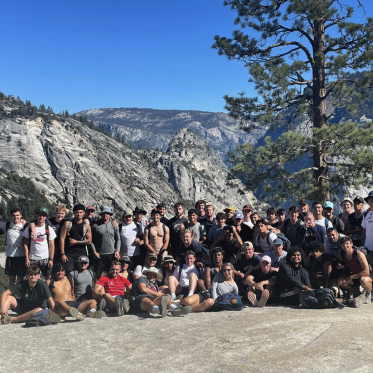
321	175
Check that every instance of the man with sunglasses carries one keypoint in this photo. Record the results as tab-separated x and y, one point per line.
150	262
83	278
40	251
89	215
34	297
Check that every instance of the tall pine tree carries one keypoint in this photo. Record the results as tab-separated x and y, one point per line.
308	53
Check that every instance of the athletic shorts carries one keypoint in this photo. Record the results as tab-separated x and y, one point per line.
184	291
22	307
103	263
203	295
43	265
73	303
136	303
15	266
72	262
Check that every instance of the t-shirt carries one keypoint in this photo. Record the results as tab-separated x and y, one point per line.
164	220
219	286
290	231
276	261
143	280
322	222
214	233
114	286
208	224
167	276
82	284
185	273
128	236
316	233
368	225
32	297
265	243
39	248
14	240
260	276
246	232
245	264
198	229
356	223
230	250
174	225
333	248
139	269
57	226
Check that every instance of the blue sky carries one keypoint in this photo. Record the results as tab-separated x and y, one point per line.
81	54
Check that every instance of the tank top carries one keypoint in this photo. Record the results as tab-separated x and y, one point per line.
76	232
353	264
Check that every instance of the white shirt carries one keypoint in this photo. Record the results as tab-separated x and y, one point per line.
185	273
322	223
39	248
367	223
128	236
139	269
14	239
263	242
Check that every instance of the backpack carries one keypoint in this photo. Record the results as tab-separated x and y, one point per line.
139	228
228	302
285	242
77	275
319	299
70	224
364	250
43	318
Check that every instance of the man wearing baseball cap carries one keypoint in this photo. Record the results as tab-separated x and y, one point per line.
367	225
229	212
335	220
347	210
40	251
355	219
89	214
83	278
304	207
261	283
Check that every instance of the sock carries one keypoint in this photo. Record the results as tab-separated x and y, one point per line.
93	310
155	309
190	293
172	307
173	295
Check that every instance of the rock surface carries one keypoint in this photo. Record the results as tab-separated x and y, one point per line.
273	339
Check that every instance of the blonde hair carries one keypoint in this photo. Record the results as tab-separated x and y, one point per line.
61	208
228	264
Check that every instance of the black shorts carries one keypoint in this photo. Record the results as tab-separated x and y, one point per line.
22	307
136	302
185	291
72	262
203	295
43	265
73	303
356	281
103	263
15	266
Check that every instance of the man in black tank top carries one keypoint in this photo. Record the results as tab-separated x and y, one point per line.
75	236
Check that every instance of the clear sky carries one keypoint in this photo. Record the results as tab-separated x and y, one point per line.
82	54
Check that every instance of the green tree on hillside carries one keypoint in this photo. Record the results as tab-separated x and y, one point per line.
307	53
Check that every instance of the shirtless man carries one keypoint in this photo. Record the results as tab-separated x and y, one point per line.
63	295
157	235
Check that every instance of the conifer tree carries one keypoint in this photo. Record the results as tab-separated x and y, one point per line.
308	53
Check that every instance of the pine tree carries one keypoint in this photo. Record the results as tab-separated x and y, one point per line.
308	53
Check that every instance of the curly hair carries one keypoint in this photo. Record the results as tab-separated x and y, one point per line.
292	251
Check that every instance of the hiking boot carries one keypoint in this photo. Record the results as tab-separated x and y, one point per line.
126	305
119	304
264	298
252	299
5	320
96	314
163	306
53	317
359	301
102	304
368	299
75	313
181	311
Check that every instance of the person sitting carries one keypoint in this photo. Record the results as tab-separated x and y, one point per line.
278	256
355	262
292	277
148	298
169	268
319	265
62	289
332	243
223	282
215	267
125	270
34	297
264	240
261	282
83	278
151	261
113	290
310	231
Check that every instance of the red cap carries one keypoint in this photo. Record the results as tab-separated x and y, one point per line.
90	207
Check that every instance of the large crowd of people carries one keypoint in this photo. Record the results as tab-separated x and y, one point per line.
90	266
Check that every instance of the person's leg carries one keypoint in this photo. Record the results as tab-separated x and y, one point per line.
10	303
205	305
366	283
192	301
192	283
11	281
87	305
345	283
24	317
164	289
98	268
69	264
174	286
110	301
147	305
201	285
63	308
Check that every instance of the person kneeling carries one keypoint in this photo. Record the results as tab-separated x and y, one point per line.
34	297
62	289
261	283
148	298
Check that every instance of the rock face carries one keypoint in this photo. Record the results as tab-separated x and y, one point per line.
69	162
156	128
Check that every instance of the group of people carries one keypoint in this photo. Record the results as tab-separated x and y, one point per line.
187	263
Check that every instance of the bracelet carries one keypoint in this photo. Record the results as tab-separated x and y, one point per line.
63	254
51	259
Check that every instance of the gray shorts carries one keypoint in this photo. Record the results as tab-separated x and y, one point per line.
73	303
43	265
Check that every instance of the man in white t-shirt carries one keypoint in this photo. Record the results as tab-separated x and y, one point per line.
318	209
185	282
15	252
264	240
367	225
40	251
151	261
129	236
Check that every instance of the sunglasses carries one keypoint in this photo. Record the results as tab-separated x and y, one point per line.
227	270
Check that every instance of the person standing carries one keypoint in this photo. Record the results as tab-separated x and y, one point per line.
347	210
353	227
367	225
174	226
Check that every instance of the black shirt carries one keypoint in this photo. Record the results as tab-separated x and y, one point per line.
77	233
260	276
208	224
356	223
174	225
230	250
57	228
246	233
244	264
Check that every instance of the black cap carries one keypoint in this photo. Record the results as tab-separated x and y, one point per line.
303	201
139	209
360	199
317	203
369	195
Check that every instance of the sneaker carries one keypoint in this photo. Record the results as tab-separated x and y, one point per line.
96	314
368	299
181	311
264	298
126	305
5	320
359	301
102	304
252	299
119	304
163	306
75	313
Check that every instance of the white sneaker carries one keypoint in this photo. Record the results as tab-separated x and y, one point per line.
369	299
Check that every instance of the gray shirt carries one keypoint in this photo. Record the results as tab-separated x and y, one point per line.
219	286
82	284
105	238
198	229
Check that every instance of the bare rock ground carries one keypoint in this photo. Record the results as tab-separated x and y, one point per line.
273	339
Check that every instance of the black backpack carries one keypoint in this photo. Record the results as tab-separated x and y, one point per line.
319	299
285	242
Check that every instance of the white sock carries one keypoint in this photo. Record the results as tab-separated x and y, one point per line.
173	295
155	309
190	293
93	310
172	307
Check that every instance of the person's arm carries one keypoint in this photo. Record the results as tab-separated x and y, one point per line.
364	266
166	239
239	242
214	286
202	233
62	241
327	271
26	245
350	230
216	242
51	253
340	225
147	242
145	290
4	296
235	288
363	236
96	291
207	278
51	303
128	291
118	242
252	269
286	274
309	263
271	281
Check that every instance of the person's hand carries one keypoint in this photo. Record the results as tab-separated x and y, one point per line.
242	275
50	263
234	229
221	238
199	264
115	224
86	221
33	234
23	221
72	241
27	262
238	228
159	294
238	258
3	312
137	240
340	266
273	269
96	254
117	255
306	288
